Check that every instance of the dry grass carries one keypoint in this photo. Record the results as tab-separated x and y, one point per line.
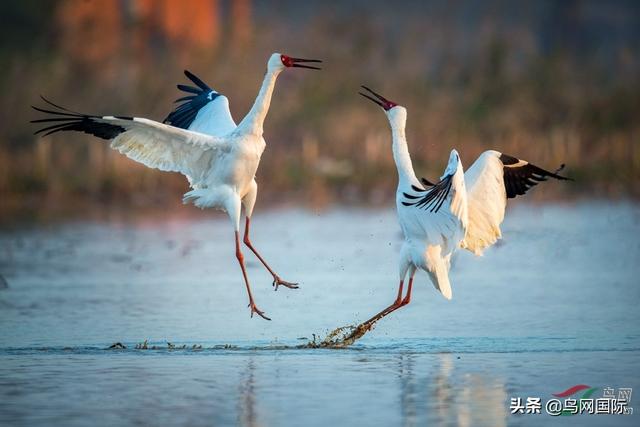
496	88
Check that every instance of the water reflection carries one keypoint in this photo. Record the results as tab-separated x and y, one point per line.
408	410
449	396
87	296
443	389
247	414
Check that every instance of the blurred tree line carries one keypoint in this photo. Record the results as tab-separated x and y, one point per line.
550	81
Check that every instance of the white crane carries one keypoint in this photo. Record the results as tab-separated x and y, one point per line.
460	211
201	141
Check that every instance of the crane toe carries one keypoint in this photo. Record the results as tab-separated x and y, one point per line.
254	309
277	281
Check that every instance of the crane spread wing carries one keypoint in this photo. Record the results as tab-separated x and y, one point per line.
520	176
153	144
437	215
431	199
204	110
491	180
439	211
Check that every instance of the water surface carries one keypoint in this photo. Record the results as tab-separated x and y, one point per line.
553	305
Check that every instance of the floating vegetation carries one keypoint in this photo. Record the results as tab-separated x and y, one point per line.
117	346
170	346
341	337
142	346
227	347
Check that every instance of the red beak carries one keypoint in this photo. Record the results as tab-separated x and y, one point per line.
381	100
298	62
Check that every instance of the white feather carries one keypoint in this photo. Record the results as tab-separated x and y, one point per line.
431	236
214	118
218	158
487	200
469	216
168	148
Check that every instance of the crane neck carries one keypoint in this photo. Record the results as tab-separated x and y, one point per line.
253	121
402	158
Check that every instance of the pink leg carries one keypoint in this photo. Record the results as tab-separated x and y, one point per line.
277	281
396	304
407	298
252	304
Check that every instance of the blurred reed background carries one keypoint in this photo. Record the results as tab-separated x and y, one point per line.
549	81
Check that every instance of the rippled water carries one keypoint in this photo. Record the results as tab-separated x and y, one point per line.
554	305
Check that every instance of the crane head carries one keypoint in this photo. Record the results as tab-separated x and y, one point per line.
379	99
281	61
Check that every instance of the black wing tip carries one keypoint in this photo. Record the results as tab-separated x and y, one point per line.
58	106
426	182
435	197
197	80
189	89
560	177
555	174
189	75
64	119
188	107
410	196
519	180
46	100
508	160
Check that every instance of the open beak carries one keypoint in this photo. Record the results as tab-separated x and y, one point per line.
298	63
381	100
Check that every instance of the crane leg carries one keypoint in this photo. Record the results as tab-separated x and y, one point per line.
252	304
407	298
394	306
277	281
399	302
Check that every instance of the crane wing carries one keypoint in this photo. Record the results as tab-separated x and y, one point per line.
431	199
437	217
491	180
204	110
153	144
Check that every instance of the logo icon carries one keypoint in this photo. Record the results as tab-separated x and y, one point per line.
573	406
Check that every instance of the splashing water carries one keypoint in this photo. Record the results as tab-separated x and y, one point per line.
341	337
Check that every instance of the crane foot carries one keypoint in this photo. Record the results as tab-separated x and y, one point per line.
277	281
254	309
